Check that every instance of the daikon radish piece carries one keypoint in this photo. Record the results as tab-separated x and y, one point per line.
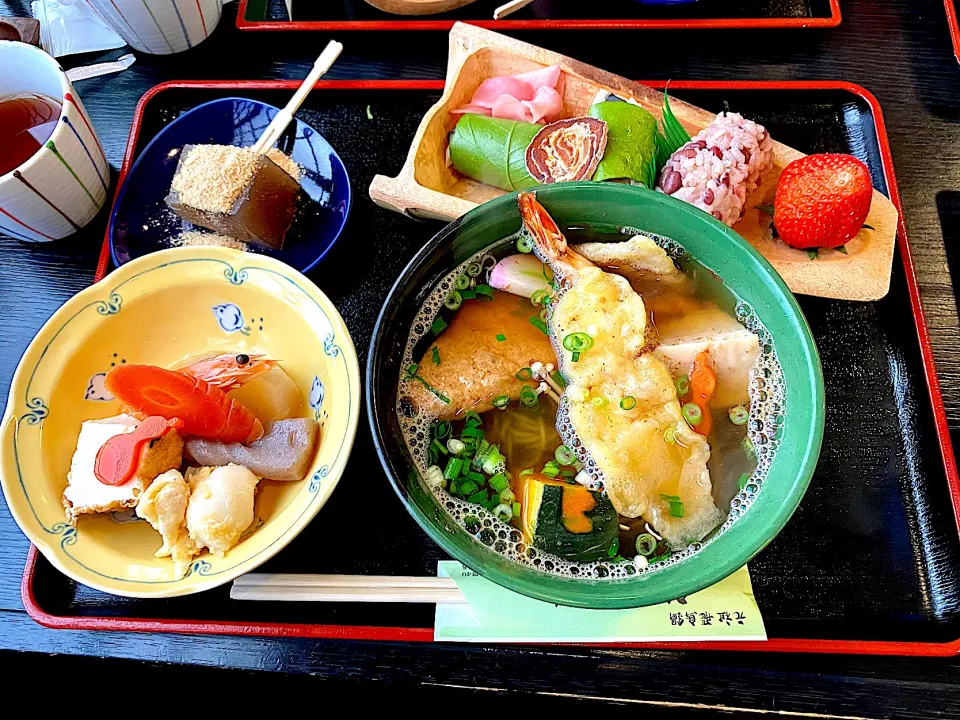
271	396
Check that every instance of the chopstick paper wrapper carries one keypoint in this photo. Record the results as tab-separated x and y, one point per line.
725	611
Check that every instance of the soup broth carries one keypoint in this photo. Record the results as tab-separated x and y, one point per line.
496	468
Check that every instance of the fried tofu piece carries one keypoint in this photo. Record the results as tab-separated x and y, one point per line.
85	494
474	366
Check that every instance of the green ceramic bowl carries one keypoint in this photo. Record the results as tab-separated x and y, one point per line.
714	245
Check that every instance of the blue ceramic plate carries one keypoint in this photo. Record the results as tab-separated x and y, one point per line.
142	223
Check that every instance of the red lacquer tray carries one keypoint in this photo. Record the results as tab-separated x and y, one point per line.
954	27
254	15
891	585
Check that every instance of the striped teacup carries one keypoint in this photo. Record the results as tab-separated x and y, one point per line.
161	27
63	185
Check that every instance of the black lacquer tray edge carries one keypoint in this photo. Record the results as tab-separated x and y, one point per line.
420	634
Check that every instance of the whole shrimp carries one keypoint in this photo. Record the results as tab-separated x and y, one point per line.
621	400
229	370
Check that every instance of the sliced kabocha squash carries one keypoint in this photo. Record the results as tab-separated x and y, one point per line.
566	520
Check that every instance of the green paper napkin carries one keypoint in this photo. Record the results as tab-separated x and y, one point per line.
725	611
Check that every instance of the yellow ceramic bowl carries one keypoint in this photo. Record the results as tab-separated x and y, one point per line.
162	309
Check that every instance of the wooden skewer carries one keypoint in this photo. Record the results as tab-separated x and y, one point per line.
346	588
285	116
509	8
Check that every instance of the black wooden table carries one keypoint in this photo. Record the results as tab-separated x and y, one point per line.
898	49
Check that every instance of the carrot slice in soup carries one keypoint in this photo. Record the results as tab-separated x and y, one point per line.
206	411
703	384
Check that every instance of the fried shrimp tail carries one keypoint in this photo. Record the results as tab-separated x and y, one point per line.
547	236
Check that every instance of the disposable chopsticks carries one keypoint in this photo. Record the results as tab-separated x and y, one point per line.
345	588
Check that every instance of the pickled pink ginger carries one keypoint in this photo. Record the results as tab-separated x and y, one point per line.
534	96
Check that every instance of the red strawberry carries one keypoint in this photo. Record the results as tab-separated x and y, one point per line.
822	201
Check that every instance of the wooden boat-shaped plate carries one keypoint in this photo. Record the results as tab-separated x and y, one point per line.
428	187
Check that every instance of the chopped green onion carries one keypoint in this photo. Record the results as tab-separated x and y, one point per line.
748	447
503	512
564	455
577	342
568	473
539	324
439	447
742	482
453	301
462	282
501	401
540	297
465	470
527	471
664	496
474	431
551	469
682	384
476	477
575	357
559	379
507	496
523	374
468	488
498	482
646	544
670	435
676	509
598	401
501	337
412	369
471	419
692	414
628	403
484	290
455	446
478	496
494	462
439	325
474	269
515	506
435	354
434	477
453	468
489	504
528	396
468	294
660	558
614	548
739	415
442	429
454	490
545	315
524	244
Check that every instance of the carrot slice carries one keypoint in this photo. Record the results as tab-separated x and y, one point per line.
703	384
119	457
206	411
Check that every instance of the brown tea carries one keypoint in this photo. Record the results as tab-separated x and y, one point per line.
27	120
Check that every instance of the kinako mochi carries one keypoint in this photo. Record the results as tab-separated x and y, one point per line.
236	192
